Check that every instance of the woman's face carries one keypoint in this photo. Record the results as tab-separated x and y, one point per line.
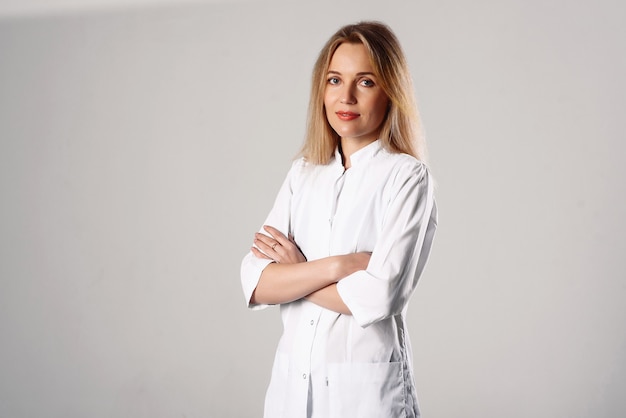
355	103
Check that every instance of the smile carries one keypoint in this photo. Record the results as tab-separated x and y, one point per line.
347	115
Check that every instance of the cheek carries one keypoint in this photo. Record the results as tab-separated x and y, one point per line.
328	98
380	109
383	106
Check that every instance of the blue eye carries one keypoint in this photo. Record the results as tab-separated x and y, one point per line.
333	80
367	83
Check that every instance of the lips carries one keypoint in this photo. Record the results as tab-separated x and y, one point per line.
345	115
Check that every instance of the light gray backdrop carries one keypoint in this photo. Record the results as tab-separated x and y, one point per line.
141	148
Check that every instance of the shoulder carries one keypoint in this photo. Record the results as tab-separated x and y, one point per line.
299	167
404	167
301	171
299	164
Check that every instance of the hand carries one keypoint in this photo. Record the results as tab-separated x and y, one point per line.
277	247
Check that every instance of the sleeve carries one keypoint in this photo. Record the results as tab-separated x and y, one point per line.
279	218
400	254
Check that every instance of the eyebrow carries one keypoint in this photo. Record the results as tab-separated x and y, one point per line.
358	74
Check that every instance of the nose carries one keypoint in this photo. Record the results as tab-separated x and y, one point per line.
347	95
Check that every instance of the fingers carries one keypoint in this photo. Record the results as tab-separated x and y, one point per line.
265	243
271	244
259	254
276	246
276	234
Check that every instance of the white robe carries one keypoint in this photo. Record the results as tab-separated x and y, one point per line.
330	365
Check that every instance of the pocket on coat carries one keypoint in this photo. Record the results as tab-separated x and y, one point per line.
366	390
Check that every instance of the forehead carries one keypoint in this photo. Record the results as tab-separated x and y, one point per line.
351	58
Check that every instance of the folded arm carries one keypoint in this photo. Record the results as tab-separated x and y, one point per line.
292	277
329	298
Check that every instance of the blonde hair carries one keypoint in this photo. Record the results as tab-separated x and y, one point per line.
401	130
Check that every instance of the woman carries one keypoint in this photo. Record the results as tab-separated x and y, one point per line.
347	239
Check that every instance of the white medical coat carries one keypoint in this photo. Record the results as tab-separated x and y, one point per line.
330	365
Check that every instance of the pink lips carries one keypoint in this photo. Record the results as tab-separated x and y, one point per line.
347	116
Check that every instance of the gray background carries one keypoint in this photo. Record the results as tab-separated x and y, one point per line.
140	148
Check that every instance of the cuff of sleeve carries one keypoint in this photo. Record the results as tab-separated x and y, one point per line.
251	269
351	291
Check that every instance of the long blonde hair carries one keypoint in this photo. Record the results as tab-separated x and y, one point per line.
401	130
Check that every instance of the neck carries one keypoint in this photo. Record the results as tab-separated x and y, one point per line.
348	146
